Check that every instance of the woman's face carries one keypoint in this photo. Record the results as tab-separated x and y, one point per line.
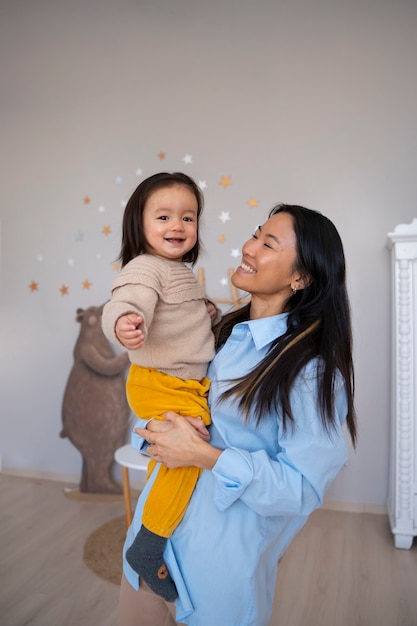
268	260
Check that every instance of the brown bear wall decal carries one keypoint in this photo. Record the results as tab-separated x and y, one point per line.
95	412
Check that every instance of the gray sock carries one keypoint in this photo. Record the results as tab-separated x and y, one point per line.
146	557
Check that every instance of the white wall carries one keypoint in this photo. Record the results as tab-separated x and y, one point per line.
311	102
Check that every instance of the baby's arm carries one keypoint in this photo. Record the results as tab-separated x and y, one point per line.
129	332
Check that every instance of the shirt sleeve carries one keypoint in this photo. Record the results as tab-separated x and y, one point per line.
292	482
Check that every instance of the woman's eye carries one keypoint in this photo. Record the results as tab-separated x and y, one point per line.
254	236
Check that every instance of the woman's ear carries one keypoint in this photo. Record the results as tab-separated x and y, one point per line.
301	282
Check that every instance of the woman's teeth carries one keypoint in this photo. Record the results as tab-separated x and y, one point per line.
247	268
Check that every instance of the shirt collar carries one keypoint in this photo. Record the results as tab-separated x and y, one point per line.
266	329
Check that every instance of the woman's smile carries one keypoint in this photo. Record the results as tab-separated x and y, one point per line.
249	269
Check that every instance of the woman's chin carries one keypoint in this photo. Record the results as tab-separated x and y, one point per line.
239	279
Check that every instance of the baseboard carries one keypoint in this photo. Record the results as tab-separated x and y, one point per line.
41	475
355	507
72	479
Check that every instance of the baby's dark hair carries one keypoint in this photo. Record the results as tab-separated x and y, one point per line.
133	237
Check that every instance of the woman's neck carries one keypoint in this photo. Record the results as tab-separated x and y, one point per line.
265	308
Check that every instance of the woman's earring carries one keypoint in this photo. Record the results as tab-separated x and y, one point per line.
294	291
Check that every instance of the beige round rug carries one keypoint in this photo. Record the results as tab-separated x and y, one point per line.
103	550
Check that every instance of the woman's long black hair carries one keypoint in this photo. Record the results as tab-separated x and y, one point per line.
319	326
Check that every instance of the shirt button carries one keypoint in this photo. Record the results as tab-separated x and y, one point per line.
248	333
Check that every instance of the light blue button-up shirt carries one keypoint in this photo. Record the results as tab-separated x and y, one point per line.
246	510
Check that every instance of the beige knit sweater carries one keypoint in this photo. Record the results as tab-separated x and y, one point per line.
178	337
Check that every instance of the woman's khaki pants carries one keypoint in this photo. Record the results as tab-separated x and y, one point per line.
143	607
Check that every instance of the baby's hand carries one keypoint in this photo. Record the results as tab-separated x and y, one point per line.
128	331
212	311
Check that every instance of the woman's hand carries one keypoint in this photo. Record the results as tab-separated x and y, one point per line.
200	427
128	331
184	444
163	426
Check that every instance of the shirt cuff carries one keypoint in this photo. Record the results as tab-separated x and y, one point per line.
138	442
233	473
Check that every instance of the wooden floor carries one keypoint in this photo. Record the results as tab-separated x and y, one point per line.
341	570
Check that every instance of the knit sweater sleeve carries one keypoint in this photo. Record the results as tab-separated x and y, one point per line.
135	290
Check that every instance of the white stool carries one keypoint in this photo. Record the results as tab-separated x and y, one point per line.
129	458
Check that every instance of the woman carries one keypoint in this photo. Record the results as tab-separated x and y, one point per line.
281	389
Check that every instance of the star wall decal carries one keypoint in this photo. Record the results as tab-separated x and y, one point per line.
187	159
225	181
224	216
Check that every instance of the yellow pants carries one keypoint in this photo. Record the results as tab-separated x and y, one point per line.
151	393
